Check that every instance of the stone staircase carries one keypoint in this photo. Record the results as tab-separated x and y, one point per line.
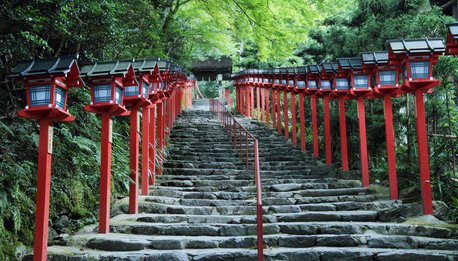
203	208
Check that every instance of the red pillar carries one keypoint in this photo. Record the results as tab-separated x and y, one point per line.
274	106
278	112
327	130
258	103
105	174
145	149
160	133
152	145
363	142
134	149
293	118
267	106
285	114
390	150
343	134
40	247
252	101
302	120
314	127
237	99
263	105
423	155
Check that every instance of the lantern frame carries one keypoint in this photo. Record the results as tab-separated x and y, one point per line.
405	52
328	70
301	79
291	78
452	39
313	74
54	74
379	62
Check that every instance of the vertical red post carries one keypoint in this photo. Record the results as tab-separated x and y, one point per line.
105	174
314	127
40	247
252	101
279	125
258	103
343	134
263	105
327	130
134	150
302	120
248	100
160	133
423	155
152	145
237	99
285	114
390	149
145	149
267	106
363	142
293	119
274	106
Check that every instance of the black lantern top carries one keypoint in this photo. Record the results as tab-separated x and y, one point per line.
301	77
277	77
386	73
46	83
313	74
452	39
291	77
328	70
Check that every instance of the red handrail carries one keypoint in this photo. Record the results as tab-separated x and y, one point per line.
234	128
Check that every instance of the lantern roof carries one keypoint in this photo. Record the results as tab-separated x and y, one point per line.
301	70
410	46
352	63
56	65
145	65
330	67
380	57
277	71
163	65
313	69
176	68
291	70
107	68
453	30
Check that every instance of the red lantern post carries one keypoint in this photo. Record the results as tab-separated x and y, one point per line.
416	58
302	90
47	82
325	89
386	86
313	74
340	90
107	81
291	89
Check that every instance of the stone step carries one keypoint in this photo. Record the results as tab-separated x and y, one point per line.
311	171
242	254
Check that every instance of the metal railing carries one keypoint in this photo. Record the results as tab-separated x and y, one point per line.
243	141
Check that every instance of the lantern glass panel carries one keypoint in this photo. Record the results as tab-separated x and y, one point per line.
342	84
291	83
325	84
131	91
283	82
102	92
60	97
266	80
40	95
387	77
404	71
419	69
145	88
118	94
361	81
276	81
312	84
300	84
251	79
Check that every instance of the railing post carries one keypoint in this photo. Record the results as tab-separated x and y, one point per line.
259	218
